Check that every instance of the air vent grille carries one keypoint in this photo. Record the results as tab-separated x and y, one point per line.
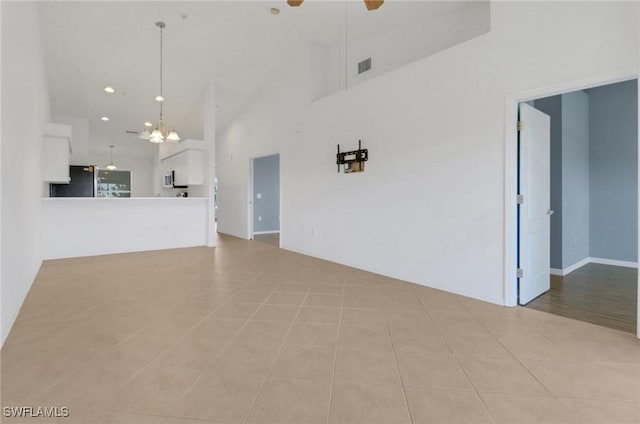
364	66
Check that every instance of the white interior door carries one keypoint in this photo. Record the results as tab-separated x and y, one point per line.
535	212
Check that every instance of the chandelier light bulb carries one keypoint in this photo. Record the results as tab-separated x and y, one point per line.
111	166
156	136
173	136
145	135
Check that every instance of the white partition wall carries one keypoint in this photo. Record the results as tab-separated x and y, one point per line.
91	226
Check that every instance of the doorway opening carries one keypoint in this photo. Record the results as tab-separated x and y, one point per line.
265	200
577	205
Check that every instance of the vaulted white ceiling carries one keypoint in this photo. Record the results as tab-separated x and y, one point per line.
238	44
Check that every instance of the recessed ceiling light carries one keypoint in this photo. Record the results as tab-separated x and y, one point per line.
108	89
148	124
159	99
274	11
104	118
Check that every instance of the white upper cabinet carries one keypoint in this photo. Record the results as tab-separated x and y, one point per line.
57	151
186	159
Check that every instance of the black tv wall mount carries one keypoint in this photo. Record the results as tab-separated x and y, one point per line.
354	160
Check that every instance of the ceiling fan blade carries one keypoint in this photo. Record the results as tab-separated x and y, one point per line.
373	4
370	4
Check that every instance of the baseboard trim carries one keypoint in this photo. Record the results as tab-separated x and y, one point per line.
585	261
579	264
614	262
257	233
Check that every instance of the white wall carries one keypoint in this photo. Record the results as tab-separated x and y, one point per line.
75	227
429	207
271	124
25	110
209	132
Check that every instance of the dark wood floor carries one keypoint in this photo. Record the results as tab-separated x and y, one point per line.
600	294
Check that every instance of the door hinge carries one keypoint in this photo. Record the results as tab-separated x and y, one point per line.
520	125
520	199
520	273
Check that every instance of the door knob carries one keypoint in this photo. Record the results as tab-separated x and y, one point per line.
550	212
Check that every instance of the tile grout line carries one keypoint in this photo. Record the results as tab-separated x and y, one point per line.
70	318
226	345
284	340
513	356
511	353
165	420
83	366
455	357
134	374
424	308
97	357
171	345
162	352
520	363
335	357
395	358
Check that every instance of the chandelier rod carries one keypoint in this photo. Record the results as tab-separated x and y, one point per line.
161	25
162	132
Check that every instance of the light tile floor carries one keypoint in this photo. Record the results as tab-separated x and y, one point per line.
248	333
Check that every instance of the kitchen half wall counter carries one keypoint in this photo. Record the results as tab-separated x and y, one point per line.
73	227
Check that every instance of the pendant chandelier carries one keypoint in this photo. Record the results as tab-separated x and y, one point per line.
161	132
111	166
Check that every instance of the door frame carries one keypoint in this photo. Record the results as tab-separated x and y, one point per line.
251	194
510	168
250	201
532	214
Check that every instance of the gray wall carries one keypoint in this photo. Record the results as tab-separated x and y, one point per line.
266	184
594	169
613	121
552	106
569	176
575	178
